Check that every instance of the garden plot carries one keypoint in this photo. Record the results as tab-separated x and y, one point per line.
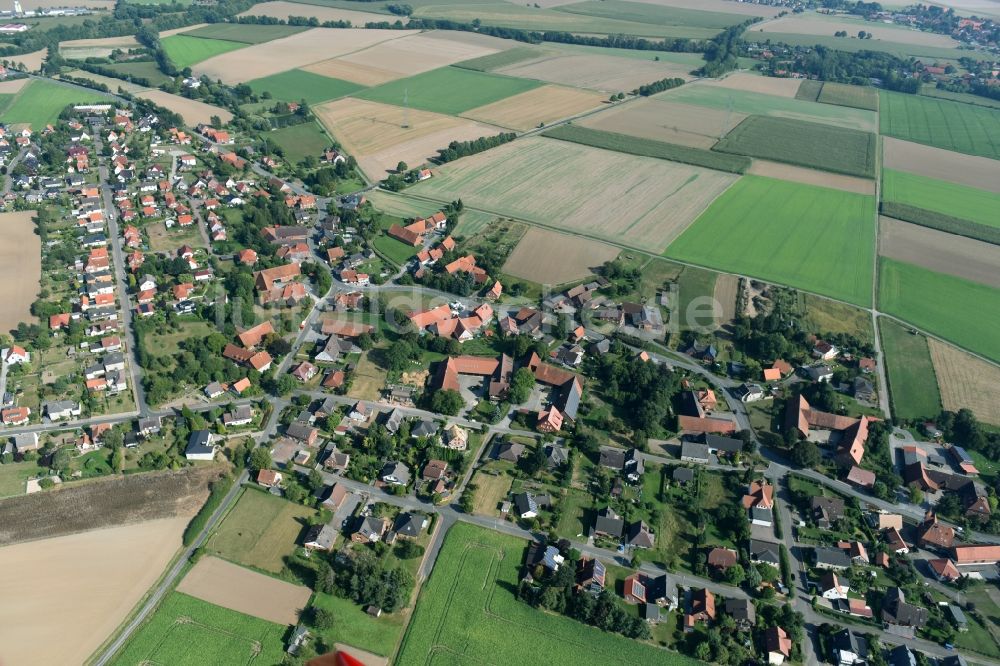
651	118
532	259
597	72
536	107
230	586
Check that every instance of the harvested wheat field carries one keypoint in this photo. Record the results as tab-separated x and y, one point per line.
298	50
417	54
65	595
939	251
966	381
569	186
672	122
981	172
13	86
527	110
373	132
20	269
192	111
282	10
812	177
363	75
111	501
112	83
766	85
817	25
533	258
31	62
597	72
231	586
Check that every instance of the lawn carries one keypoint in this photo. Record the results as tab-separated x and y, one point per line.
803	143
693	286
185	631
450	90
245	32
296	85
964	312
942	123
812	238
968	203
397	252
913	386
14	475
299	141
467	613
185	51
491	490
260	531
167	344
40	102
357	628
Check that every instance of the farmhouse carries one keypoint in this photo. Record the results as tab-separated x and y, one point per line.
800	417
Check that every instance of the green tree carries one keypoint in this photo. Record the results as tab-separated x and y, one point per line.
447	402
521	385
322	619
260	458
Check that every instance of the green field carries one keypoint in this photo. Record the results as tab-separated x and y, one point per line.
359	629
752	103
185	631
813	238
397	252
299	141
467	613
809	90
185	51
5	101
964	312
967	203
40	102
899	49
450	90
940	122
802	143
245	32
694	283
260	531
623	143
965	98
639	12
941	222
857	97
913	386
494	61
296	85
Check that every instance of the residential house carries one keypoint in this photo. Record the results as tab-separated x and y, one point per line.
777	645
200	446
370	530
320	537
702	609
395	473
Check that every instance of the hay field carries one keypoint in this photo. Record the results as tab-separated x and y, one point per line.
765	85
973	171
301	49
966	381
939	251
806	176
604	73
282	10
20	268
541	105
651	118
372	132
532	259
65	595
230	586
260	531
417	54
192	111
638	201
883	32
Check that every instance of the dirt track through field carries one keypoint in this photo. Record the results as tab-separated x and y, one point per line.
225	584
535	257
812	177
62	597
966	381
981	172
20	269
939	251
672	122
767	85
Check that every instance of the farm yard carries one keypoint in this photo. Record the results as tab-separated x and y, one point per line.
185	51
797	174
967	203
658	119
191	110
567	186
472	587
751	103
961	311
20	268
916	158
941	123
83	584
940	251
533	108
225	584
913	386
259	531
296	85
40	102
185	631
532	259
605	73
813	238
966	381
802	143
374	134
